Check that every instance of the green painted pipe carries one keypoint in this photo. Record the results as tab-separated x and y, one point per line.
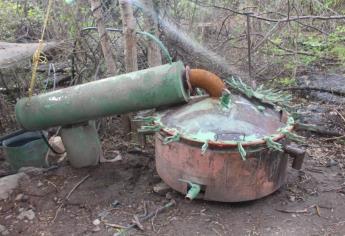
154	87
147	34
159	43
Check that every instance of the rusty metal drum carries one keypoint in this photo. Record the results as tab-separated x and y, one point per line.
226	152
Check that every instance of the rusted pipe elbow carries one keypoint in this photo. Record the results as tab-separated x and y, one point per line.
206	80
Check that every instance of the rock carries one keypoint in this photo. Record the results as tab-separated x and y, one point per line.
161	188
8	184
292	198
39	184
168	196
32	171
29	214
331	163
96	229
3	230
96	222
57	144
115	203
19	197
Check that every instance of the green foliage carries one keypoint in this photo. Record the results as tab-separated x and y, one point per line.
183	8
332	3
13	16
286	81
277	40
312	49
331	47
339	51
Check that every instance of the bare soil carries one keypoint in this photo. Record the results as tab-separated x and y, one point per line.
310	203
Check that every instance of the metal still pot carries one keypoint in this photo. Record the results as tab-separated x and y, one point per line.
227	150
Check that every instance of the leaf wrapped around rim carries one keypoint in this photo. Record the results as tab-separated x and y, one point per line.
269	96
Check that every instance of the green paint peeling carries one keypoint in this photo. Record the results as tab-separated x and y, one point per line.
139	90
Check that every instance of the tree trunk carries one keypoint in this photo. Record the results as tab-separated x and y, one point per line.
130	41
154	56
109	57
131	61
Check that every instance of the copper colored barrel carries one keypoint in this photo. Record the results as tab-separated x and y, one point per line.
222	175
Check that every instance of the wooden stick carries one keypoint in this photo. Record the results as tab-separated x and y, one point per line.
150	215
76	186
342	117
68	195
115	226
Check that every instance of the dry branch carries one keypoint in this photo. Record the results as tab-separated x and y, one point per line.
285	19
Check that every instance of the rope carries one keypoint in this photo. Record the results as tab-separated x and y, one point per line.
36	58
272	145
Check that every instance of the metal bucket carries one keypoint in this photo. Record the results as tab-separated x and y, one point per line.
25	149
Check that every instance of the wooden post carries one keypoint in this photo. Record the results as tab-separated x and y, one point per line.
131	58
130	41
109	57
154	56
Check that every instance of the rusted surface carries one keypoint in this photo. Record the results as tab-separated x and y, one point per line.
223	175
206	80
298	155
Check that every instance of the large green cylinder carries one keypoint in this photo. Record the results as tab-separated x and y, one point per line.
139	90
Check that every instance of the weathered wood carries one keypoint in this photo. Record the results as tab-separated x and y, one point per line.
130	41
13	53
109	57
154	56
316	129
131	58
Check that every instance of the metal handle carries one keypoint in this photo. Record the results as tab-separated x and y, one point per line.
297	154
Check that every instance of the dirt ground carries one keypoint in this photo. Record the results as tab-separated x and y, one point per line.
310	203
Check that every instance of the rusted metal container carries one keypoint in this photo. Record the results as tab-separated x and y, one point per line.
223	151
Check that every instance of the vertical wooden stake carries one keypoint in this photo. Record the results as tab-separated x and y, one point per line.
249	43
